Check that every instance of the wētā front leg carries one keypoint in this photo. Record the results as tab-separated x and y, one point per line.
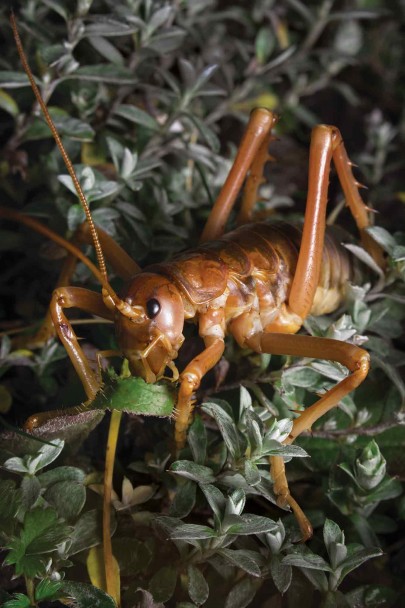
190	378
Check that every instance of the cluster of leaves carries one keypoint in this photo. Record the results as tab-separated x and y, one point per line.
149	97
47	525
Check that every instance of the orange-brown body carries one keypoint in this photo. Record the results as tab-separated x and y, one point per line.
248	273
238	284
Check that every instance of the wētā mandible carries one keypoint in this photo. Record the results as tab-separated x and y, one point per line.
257	283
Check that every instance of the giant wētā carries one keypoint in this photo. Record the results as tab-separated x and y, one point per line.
257	283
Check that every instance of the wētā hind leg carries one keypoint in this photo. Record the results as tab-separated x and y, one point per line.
251	156
326	144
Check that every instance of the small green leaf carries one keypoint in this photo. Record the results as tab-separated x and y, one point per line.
249	561
107	26
302	557
193	471
67	497
134	395
281	573
197	586
356	557
8	104
250	524
132	555
86	596
163	583
184	499
30	491
192	532
264	44
197	440
47	589
86	532
19	600
10	498
215	499
226	426
113	74
251	472
136	115
241	594
58	474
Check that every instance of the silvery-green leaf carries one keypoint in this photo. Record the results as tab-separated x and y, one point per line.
193	471
226	426
197	586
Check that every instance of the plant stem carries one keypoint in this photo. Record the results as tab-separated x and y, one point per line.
110	571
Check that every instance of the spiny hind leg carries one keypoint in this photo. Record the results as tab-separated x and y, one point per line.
354	358
350	187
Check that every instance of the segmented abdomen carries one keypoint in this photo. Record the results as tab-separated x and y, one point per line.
249	272
268	252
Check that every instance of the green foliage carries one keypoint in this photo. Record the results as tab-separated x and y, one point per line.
150	98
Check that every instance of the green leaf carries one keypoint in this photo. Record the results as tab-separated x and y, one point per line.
197	586
19	600
47	589
281	573
193	471
113	74
249	561
251	472
67	497
356	557
184	499
42	531
206	133
58	474
383	238
86	532
86	596
163	583
334	540
138	116
134	395
215	499
8	104
31	464
132	555
10	498
14	80
197	440
226	426
250	524
302	557
241	594
192	532
30	491
107	26
264	44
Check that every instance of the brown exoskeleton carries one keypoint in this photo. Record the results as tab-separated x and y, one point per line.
257	283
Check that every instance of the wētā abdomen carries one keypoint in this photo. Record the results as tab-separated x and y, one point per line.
248	273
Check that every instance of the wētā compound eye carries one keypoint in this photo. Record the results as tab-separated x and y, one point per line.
152	308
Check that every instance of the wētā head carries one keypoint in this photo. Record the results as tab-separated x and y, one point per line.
151	340
149	317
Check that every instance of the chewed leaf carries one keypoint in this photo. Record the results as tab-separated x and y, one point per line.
133	395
